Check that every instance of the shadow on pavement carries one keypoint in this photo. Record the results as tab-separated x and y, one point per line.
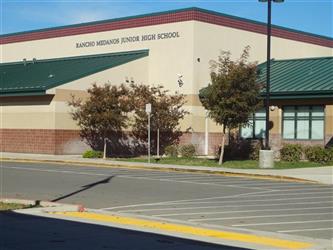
85	187
20	231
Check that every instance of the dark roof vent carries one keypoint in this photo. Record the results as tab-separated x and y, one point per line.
24	61
34	60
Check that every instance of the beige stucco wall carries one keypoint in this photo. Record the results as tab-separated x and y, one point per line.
329	120
167	57
210	39
27	115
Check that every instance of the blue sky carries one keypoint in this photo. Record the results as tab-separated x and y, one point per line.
313	16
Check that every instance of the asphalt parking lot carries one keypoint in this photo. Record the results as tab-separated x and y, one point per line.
292	208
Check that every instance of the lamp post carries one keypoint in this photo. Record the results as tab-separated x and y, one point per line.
148	112
268	66
266	157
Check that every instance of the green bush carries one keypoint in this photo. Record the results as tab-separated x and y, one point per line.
291	152
92	154
255	148
330	150
171	150
318	154
240	149
187	150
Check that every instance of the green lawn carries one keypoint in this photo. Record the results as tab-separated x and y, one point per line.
245	164
11	206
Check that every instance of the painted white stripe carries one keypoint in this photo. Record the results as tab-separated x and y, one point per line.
192	182
286	188
258	216
237	205
130	177
186	202
280	223
288	194
287	184
245	211
220	179
59	171
281	194
304	230
167	203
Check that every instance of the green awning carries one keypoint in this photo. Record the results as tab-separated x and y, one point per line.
299	78
36	76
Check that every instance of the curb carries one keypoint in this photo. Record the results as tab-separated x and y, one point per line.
49	205
175	168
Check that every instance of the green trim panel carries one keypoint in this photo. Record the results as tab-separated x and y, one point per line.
299	78
23	78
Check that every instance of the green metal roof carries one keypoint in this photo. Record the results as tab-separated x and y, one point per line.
34	78
299	78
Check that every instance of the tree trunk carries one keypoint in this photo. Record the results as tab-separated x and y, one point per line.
222	148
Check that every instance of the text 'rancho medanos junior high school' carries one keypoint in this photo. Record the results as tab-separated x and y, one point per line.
128	39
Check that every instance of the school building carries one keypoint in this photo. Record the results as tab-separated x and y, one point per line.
41	69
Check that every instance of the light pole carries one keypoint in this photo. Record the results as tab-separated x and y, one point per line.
268	66
148	112
266	156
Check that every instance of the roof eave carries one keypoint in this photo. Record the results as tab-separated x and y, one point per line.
299	95
23	93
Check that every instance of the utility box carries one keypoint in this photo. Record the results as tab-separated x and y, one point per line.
266	159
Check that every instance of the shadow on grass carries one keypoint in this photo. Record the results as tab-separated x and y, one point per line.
20	231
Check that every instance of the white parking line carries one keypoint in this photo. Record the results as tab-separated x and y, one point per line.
244	211
286	186
176	201
209	207
290	194
168	203
257	216
192	182
307	189
280	223
304	230
219	179
125	176
59	171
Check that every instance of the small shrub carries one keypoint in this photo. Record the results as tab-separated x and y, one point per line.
92	154
291	152
318	154
255	149
171	150
187	151
330	150
240	149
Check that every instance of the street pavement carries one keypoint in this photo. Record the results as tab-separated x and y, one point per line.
322	175
293	208
25	232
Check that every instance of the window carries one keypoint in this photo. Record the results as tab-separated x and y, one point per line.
303	122
256	126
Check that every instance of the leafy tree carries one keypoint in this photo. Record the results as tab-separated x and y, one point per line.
103	114
233	93
166	114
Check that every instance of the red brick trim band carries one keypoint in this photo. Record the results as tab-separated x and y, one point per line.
41	141
171	17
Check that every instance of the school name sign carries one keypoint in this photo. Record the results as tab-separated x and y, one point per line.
128	39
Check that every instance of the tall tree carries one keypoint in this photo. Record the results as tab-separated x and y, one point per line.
166	115
103	115
233	93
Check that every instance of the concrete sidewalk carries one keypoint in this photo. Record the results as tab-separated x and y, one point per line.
318	174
